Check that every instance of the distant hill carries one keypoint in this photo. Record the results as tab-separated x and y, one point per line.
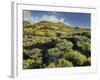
26	23
46	28
48	23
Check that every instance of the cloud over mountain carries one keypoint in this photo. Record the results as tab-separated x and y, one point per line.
34	19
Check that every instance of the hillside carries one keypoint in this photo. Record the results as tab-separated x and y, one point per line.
48	45
45	28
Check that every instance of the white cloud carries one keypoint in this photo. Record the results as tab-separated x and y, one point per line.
51	18
34	19
27	16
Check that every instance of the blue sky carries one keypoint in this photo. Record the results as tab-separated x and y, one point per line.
70	18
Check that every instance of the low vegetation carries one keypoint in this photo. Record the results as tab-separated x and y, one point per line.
53	45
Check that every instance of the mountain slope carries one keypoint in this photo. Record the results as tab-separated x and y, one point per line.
46	28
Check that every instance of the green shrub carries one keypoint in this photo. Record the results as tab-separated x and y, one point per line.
35	58
30	64
27	63
84	45
52	65
76	57
49	33
38	33
64	44
87	34
35	54
27	43
27	31
64	63
53	52
88	61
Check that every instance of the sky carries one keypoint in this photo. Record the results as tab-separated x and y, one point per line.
82	20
